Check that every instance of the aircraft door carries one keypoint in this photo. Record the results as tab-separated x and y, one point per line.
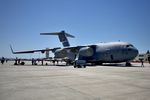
107	55
112	57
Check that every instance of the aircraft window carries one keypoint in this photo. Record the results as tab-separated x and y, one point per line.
129	45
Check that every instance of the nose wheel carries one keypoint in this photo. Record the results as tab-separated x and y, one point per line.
128	64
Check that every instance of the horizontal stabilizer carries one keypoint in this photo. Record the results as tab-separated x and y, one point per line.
59	33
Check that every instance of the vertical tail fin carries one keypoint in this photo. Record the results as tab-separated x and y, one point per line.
62	37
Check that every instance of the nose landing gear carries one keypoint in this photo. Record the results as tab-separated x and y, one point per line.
128	64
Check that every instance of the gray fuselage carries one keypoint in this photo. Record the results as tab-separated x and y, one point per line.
113	52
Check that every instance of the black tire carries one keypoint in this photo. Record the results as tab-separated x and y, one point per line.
22	63
79	66
75	66
128	64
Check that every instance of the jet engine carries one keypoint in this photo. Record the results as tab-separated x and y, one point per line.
86	51
60	53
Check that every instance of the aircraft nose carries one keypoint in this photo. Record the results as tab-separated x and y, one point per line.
135	52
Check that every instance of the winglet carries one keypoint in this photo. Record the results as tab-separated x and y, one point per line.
12	49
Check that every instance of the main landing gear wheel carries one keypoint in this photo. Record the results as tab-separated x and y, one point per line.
128	64
84	66
79	66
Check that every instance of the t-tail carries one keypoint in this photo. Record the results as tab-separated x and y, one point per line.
62	37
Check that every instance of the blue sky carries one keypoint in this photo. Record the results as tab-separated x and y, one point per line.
91	21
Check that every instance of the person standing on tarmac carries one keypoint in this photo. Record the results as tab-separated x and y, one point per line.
32	61
142	64
149	59
2	60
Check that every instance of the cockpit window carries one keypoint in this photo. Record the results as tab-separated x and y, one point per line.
129	45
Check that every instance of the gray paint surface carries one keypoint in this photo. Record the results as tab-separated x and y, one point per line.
67	83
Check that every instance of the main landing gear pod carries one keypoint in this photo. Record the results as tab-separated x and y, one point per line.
80	64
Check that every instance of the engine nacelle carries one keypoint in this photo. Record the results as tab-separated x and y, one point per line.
60	53
86	51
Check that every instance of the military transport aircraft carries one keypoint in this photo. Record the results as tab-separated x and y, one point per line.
111	52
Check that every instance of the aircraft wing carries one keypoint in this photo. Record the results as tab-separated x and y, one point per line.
32	51
75	49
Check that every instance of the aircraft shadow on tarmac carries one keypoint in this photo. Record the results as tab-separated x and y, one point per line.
43	65
89	65
119	65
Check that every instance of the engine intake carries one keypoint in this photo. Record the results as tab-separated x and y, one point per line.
86	51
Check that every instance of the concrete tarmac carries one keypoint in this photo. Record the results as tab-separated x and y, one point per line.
107	82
